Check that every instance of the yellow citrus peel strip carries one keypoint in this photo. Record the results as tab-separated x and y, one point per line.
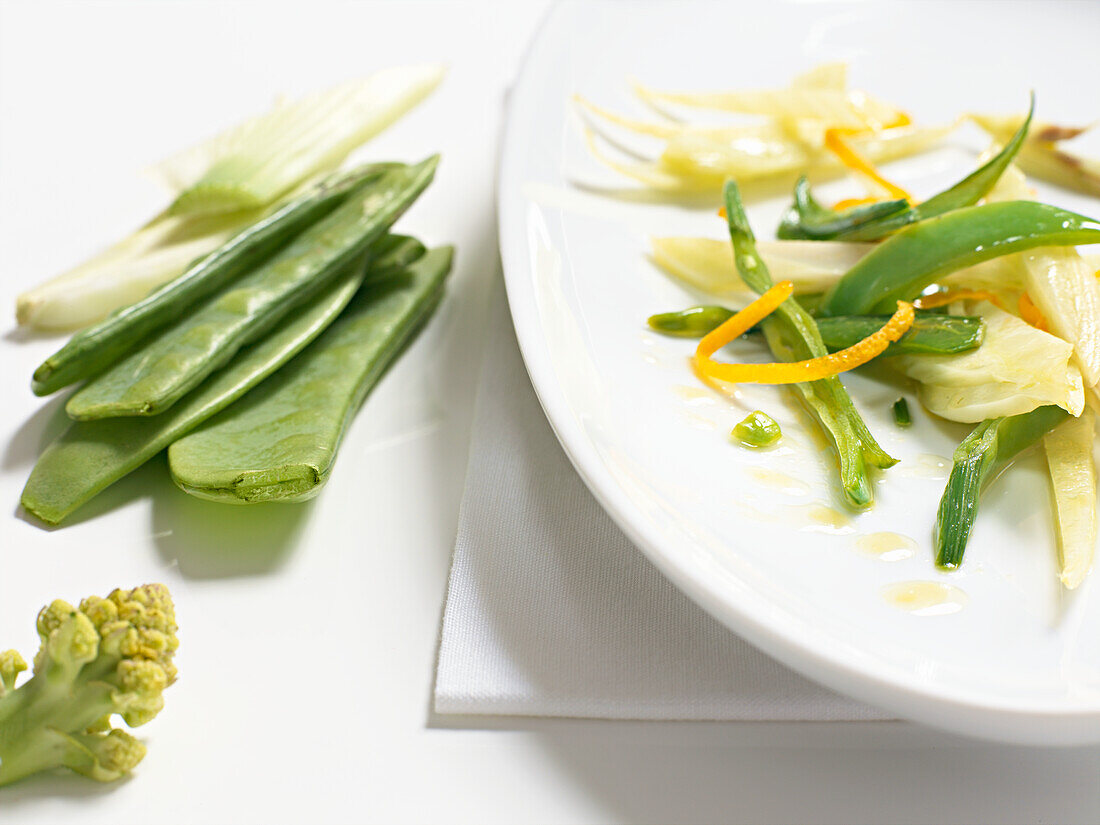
1031	313
835	143
794	372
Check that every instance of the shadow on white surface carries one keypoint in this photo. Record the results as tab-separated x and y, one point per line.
209	540
34	434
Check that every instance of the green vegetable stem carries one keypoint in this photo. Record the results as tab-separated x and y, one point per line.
154	377
280	441
921	253
792	335
94	348
931	333
902	416
981	456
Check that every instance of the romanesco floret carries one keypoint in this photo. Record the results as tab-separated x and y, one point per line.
110	656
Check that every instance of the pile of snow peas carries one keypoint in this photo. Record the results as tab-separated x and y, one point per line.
254	360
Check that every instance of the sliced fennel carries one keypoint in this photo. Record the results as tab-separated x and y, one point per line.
1073	475
264	158
707	265
1062	285
1042	155
127	271
1016	369
223	185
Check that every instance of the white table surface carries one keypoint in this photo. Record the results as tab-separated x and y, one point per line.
309	633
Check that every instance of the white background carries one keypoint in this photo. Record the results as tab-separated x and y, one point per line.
309	633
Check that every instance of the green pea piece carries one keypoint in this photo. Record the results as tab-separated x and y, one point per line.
693	322
901	413
758	430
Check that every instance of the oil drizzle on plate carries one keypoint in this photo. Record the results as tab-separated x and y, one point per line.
782	482
820	518
923	598
927	465
886	546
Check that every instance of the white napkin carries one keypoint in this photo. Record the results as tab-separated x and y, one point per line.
551	611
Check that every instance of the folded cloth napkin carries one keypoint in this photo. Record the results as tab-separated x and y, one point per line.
551	611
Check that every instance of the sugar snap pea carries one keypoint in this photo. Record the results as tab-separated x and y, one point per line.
904	264
154	377
92	349
91	455
931	333
279	442
977	461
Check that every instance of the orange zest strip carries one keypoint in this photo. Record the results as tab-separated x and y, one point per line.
835	142
1031	314
794	372
848	203
949	296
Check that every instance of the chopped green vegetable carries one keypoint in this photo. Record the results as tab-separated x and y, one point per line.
977	461
111	656
91	455
154	377
792	335
263	159
901	413
931	333
693	322
279	442
92	349
808	219
757	430
918	255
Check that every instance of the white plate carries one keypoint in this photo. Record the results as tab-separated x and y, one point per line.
749	536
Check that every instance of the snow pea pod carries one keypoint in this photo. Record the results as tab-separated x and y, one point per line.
92	349
91	455
978	460
931	334
808	219
154	377
904	264
792	335
279	442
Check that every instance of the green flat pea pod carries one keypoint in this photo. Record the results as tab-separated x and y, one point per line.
154	377
930	334
94	348
979	459
91	455
279	442
921	253
810	220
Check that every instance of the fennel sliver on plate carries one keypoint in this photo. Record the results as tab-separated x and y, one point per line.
757	538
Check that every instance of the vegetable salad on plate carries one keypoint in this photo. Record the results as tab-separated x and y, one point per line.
978	294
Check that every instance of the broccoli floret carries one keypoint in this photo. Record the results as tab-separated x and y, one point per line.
110	656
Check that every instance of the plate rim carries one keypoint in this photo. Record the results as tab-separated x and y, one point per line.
958	712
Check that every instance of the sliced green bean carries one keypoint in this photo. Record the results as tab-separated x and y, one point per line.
792	335
809	220
902	416
91	455
279	442
921	253
94	348
758	429
978	460
930	334
154	377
